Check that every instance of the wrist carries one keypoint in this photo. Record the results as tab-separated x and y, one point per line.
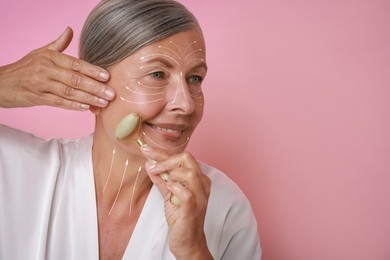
200	253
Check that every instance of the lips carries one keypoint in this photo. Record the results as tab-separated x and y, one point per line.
169	130
172	131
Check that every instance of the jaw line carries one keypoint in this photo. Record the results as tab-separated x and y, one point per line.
166	148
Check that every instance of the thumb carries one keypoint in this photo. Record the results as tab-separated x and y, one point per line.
156	179
62	42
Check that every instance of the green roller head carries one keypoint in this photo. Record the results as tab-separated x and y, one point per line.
127	125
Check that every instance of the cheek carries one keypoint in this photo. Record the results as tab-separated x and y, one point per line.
150	110
197	117
136	93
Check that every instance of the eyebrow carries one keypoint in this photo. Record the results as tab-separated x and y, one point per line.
158	58
200	65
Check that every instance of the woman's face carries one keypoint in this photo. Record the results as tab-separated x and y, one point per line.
162	82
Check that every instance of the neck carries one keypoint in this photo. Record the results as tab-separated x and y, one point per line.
122	184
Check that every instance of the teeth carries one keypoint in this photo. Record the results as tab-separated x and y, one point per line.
168	130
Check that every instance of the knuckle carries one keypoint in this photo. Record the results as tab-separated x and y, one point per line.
68	91
75	79
75	65
59	101
187	156
188	197
191	175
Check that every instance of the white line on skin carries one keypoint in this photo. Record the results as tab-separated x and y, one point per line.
144	94
181	80
167	148
189	54
142	85
185	50
182	88
163	47
194	59
166	56
109	172
140	102
121	184
120	187
132	193
195	94
182	59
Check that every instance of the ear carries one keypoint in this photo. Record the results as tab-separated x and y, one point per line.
95	110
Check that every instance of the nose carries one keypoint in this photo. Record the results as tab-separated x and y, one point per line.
180	99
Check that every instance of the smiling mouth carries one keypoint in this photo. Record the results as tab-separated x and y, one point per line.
168	131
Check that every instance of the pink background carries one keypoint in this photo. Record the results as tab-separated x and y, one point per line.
298	99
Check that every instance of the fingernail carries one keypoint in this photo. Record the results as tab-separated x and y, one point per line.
145	148
152	161
103	101
104	75
164	176
109	93
150	165
84	106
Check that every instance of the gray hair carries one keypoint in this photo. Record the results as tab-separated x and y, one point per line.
115	29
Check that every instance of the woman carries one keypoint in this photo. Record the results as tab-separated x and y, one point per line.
104	196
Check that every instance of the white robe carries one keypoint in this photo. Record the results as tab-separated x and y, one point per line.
48	207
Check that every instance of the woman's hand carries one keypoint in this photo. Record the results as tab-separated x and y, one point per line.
46	76
187	182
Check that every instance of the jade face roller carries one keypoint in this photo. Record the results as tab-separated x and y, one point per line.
127	126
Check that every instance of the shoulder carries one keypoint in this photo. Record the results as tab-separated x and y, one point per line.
24	149
9	135
17	144
22	139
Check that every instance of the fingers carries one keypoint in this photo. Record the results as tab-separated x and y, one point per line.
56	101
82	76
189	179
80	83
46	76
67	97
71	63
191	187
186	181
77	65
76	81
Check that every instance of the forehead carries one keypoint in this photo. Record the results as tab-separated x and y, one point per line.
181	49
180	44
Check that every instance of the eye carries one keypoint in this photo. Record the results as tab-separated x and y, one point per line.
195	79
157	75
